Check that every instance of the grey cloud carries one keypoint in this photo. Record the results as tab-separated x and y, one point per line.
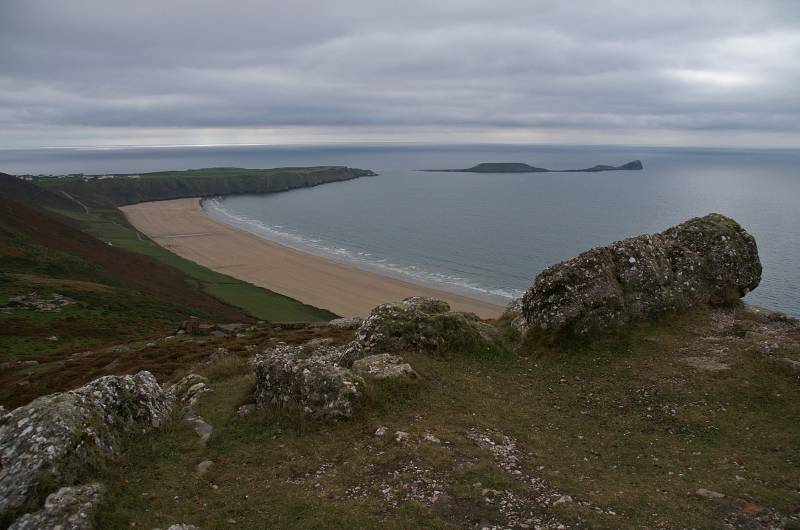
606	65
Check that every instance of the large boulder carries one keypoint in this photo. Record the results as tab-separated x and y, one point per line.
290	377
423	325
706	260
44	444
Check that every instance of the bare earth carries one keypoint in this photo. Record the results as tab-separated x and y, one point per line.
183	227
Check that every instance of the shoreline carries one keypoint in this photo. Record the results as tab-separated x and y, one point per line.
183	227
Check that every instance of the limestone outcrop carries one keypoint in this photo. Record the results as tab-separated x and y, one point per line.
45	443
705	260
423	325
288	377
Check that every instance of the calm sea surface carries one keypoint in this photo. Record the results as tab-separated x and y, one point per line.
487	235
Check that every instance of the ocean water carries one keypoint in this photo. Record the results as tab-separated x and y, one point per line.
487	235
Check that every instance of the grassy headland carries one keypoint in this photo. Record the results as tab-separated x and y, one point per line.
163	185
66	236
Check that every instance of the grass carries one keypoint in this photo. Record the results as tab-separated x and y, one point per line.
624	423
110	225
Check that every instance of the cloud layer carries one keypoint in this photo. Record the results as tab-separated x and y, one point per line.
197	71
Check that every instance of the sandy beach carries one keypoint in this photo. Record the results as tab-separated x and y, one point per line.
183	227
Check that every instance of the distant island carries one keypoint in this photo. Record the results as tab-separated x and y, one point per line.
516	167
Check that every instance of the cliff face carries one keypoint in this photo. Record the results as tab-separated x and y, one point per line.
204	183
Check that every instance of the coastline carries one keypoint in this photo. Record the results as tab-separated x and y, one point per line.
183	227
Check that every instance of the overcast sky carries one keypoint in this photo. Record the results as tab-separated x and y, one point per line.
108	72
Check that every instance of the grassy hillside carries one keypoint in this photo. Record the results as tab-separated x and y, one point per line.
196	183
109	225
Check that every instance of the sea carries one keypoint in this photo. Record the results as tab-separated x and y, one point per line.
484	235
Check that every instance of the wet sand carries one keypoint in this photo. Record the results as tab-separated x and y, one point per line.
183	227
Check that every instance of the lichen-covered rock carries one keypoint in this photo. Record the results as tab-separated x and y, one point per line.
709	259
45	443
188	390
346	323
384	366
70	508
423	325
513	315
286	377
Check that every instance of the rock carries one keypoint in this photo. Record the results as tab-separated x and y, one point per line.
203	467
400	437
708	260
188	390
381	431
119	349
383	366
346	323
45	443
35	302
217	355
708	494
791	363
70	508
423	325
201	426
52	338
315	344
28	363
315	384
428	437
564	499
246	410
190	326
513	314
181	526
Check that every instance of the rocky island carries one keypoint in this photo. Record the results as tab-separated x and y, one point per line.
517	167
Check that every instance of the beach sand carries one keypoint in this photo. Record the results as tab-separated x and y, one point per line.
183	227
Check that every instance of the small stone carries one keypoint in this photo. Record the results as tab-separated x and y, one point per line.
246	410
400	436
563	500
791	363
203	467
52	338
381	431
428	437
708	494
